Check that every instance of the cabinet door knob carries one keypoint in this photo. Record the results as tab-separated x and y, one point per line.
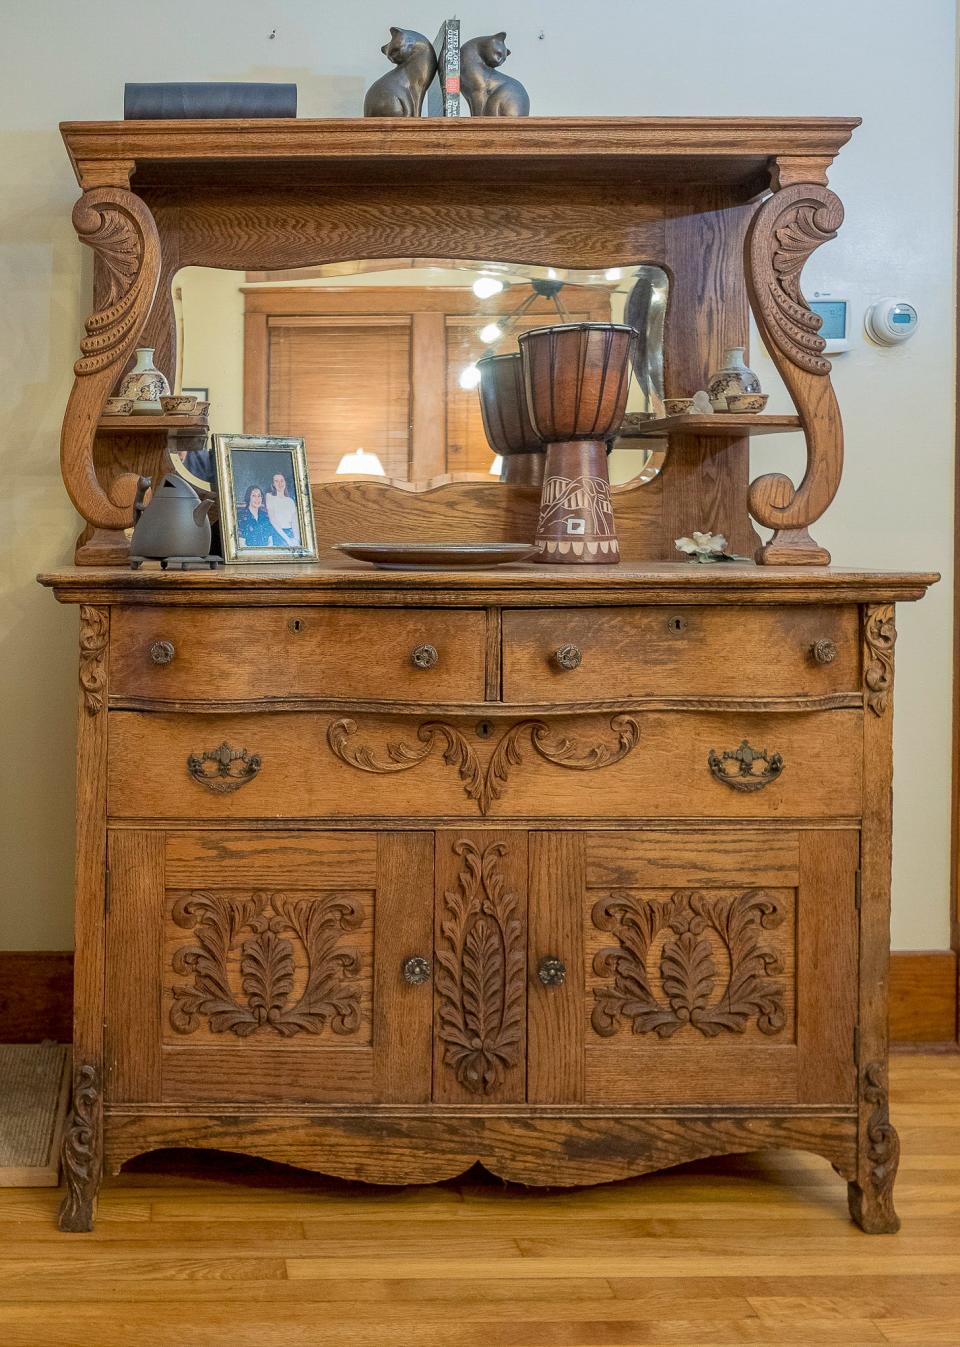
552	971
162	652
824	651
425	656
568	657
416	970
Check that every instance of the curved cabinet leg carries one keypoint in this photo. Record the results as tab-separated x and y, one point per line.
119	227
871	1194
784	232
82	1151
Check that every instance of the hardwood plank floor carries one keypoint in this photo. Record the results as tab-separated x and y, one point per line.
224	1252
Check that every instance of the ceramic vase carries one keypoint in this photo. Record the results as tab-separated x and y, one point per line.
576	378
506	421
145	384
733	376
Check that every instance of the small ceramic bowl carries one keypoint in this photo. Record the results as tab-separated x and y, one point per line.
202	409
118	407
178	404
746	402
677	406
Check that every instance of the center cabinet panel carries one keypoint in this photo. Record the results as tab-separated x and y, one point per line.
241	654
670	764
267	968
702	967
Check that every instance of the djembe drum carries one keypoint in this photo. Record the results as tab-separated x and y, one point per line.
576	379
506	423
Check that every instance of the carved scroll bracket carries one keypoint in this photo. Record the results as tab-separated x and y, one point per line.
879	639
784	232
871	1197
120	229
82	1150
94	636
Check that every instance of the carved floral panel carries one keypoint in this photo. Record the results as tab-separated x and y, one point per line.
692	963
263	965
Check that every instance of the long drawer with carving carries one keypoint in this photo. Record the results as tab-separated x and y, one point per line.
658	764
588	654
240	654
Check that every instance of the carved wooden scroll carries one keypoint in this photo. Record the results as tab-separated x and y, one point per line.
871	1196
879	639
784	232
94	636
119	228
82	1150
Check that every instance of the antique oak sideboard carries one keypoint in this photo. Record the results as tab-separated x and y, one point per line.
577	872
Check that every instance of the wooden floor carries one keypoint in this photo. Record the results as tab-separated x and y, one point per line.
756	1249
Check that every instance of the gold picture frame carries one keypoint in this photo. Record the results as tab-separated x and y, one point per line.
278	526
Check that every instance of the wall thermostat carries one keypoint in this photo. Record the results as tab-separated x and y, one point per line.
834	313
891	321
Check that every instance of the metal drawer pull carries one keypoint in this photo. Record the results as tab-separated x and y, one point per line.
568	657
743	777
552	971
232	768
823	651
162	652
425	657
416	970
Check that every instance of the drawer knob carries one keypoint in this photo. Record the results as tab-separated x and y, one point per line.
162	652
552	971
824	651
223	769
416	970
425	657
568	657
740	775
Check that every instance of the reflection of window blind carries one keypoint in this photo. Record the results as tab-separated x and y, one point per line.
341	384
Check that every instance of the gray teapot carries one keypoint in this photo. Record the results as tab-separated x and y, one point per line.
176	523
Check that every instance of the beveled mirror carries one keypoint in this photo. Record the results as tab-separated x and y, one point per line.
374	363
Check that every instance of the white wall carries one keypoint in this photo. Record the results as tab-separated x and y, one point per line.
891	63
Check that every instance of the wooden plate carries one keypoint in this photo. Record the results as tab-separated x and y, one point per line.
437	556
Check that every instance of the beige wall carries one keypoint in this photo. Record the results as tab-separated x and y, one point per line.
890	63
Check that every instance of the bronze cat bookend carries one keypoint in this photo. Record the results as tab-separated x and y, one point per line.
400	92
487	90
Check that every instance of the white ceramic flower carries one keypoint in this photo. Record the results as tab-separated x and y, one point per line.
703	546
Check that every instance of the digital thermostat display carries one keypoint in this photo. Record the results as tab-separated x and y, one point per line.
902	316
833	315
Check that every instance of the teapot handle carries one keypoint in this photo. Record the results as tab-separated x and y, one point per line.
143	486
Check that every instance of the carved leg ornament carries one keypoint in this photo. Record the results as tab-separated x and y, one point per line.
871	1196
784	232
121	230
82	1154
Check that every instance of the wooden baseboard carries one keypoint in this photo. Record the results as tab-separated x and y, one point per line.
36	990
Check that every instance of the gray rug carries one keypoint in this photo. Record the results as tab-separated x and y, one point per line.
34	1082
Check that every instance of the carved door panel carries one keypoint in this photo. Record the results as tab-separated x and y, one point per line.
250	967
480	967
709	967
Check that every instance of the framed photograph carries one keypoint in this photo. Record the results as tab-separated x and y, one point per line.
201	394
265	509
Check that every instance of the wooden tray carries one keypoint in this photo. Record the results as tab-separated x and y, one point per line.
401	556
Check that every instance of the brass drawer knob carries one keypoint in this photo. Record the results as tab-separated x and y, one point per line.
425	657
416	970
824	651
552	971
162	652
568	657
223	769
745	768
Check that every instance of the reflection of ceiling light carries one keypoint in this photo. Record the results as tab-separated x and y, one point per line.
485	286
551	274
496	467
491	333
613	273
361	462
469	377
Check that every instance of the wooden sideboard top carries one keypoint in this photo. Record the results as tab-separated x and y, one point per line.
647	582
729	150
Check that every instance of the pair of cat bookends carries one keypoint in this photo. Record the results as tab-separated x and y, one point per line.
488	91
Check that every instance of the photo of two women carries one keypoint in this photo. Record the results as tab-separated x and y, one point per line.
266	500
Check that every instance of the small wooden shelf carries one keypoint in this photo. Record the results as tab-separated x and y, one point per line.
722	425
131	425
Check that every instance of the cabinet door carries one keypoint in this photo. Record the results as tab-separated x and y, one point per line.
257	967
703	967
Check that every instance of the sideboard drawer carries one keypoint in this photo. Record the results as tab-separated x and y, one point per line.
238	654
594	654
658	764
